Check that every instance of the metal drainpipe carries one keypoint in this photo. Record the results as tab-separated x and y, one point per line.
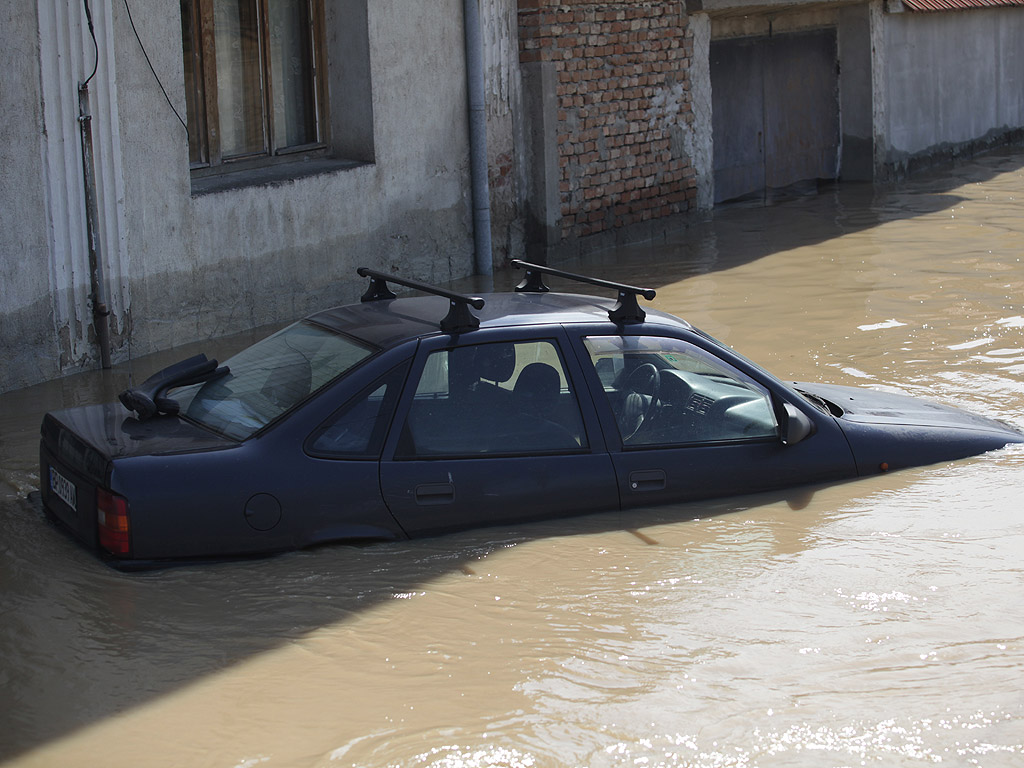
100	312
483	261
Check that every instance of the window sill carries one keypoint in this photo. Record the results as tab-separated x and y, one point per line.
269	176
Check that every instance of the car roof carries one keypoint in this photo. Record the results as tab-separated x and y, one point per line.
386	323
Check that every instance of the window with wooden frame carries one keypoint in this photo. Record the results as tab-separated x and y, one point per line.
255	82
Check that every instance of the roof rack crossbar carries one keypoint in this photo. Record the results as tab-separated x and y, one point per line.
627	310
458	320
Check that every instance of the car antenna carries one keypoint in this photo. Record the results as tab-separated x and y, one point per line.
626	311
458	320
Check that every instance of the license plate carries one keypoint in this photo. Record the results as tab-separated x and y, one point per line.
64	488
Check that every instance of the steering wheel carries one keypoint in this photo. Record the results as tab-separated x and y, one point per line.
643	381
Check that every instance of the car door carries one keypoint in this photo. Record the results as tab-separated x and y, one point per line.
692	424
494	431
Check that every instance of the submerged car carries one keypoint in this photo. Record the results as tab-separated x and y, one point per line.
405	417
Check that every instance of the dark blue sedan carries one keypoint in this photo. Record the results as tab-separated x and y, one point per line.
405	417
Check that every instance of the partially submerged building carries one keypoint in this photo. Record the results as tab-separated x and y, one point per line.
240	159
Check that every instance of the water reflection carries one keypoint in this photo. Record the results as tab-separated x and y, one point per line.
877	621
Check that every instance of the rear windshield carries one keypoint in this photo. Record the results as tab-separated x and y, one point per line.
268	378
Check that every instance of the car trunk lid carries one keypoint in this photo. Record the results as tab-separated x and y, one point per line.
79	448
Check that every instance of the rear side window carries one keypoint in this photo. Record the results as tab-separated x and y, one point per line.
488	399
358	429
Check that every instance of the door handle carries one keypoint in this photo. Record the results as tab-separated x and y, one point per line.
435	493
647	480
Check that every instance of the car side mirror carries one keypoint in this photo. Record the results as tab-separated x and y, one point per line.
796	425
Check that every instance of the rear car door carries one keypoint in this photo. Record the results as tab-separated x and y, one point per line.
494	432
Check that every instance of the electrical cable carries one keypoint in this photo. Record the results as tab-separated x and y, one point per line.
151	68
95	45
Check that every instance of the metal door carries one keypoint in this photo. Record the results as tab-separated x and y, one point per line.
775	112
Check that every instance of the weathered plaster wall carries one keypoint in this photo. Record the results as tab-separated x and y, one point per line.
700	136
215	263
505	127
183	266
46	318
27	348
953	82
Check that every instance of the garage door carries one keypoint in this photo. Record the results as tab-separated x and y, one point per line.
775	103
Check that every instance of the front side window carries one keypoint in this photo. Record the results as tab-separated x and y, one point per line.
269	378
486	399
663	391
254	80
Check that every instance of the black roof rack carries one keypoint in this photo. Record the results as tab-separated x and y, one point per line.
458	320
627	310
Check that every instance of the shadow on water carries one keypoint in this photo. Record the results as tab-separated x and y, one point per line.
741	233
80	642
83	642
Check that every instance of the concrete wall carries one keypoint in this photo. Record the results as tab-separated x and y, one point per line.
952	82
254	254
503	99
182	263
27	343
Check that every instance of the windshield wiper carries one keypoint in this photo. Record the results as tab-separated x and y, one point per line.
150	399
821	403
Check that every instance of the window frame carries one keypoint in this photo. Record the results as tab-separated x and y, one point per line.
201	93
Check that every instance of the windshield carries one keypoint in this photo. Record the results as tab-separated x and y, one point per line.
268	378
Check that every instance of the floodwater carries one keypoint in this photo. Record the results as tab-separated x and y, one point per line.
876	622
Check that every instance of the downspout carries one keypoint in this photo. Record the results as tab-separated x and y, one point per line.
482	260
100	312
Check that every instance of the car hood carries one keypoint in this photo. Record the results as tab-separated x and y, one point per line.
113	432
868	406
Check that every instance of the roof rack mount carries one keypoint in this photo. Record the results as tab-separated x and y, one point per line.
627	310
458	320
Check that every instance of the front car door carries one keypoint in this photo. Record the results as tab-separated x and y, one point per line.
691	423
494	432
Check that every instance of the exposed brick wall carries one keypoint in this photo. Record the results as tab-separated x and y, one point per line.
623	107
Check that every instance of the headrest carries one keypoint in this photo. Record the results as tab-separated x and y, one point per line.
496	362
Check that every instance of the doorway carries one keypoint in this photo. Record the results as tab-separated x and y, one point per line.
775	113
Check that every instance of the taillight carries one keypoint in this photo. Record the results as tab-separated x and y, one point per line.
114	525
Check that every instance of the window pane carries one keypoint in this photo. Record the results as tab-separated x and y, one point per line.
268	378
239	77
359	428
664	391
511	398
291	67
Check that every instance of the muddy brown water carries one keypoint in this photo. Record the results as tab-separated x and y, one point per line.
877	622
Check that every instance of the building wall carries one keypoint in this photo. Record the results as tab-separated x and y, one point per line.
182	263
27	343
503	97
952	83
611	120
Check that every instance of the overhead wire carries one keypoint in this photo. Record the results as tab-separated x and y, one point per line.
151	67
